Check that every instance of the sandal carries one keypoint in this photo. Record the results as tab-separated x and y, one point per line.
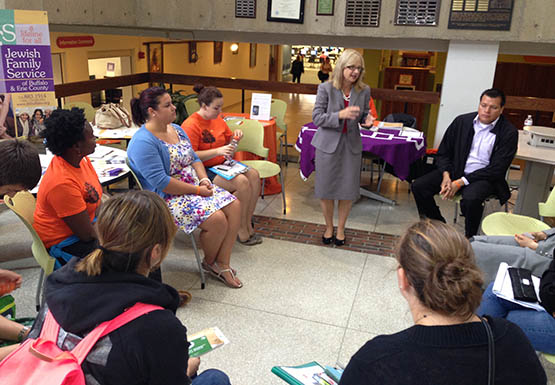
217	273
184	297
253	240
209	269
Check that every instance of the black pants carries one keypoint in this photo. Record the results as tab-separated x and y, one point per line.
297	77
472	203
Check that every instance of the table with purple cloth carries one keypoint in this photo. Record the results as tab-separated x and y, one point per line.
391	145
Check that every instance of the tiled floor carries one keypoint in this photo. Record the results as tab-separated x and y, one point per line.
301	301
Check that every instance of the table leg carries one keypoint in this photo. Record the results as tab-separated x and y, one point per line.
372	195
534	188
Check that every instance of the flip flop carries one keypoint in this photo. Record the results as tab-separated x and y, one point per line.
253	240
184	297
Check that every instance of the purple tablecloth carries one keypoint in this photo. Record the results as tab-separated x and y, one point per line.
398	151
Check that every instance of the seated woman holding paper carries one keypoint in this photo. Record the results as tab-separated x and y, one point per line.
530	251
70	192
135	231
448	344
163	159
210	137
539	326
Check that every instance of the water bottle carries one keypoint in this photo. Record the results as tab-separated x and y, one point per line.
6	287
229	158
528	122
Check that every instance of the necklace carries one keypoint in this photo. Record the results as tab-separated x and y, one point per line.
420	319
347	98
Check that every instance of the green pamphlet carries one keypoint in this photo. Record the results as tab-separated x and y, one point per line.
308	374
205	341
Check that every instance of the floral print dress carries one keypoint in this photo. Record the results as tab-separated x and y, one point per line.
190	210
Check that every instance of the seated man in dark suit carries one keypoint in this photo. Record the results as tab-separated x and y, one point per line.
473	158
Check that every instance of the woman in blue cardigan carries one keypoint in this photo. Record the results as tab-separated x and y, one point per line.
161	155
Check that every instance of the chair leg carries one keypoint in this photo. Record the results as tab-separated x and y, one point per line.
283	192
199	261
263	180
280	150
286	151
38	300
456	212
380	178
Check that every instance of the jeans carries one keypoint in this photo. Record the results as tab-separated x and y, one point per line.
539	326
211	377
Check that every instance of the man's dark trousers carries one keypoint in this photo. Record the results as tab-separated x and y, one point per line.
472	203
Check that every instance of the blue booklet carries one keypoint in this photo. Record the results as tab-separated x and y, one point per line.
229	171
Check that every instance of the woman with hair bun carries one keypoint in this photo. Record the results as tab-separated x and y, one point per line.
448	344
163	159
135	231
210	137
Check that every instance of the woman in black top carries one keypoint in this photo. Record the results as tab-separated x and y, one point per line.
448	344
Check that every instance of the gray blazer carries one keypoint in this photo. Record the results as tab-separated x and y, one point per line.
329	101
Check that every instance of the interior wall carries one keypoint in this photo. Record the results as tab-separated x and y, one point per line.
237	66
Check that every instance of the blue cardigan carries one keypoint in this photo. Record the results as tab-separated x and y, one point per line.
149	159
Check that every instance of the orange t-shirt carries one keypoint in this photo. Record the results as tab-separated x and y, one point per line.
207	134
65	191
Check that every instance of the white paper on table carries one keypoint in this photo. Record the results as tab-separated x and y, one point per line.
411	133
503	288
260	106
100	152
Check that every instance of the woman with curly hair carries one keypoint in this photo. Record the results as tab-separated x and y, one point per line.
69	193
448	344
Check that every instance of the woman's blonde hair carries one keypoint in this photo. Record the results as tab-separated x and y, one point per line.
348	57
129	226
439	264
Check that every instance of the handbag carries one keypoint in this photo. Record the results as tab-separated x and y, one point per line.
45	363
491	352
111	116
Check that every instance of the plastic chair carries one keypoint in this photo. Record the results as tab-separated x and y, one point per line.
278	109
458	197
23	205
191	236
89	110
192	106
253	142
511	224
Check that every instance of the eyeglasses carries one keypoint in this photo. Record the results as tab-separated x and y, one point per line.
354	68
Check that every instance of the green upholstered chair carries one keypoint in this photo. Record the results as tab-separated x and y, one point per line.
90	112
23	205
511	224
191	235
278	109
253	142
191	105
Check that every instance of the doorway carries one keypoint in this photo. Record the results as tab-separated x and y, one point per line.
100	68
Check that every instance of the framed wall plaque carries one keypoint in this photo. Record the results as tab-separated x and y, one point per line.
218	49
494	15
324	7
286	11
252	55
193	55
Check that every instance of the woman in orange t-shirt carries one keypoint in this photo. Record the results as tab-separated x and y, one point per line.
70	192
210	137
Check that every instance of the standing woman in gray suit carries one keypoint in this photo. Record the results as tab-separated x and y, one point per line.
341	104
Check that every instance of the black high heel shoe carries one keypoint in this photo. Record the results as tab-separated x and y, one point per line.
340	242
328	241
